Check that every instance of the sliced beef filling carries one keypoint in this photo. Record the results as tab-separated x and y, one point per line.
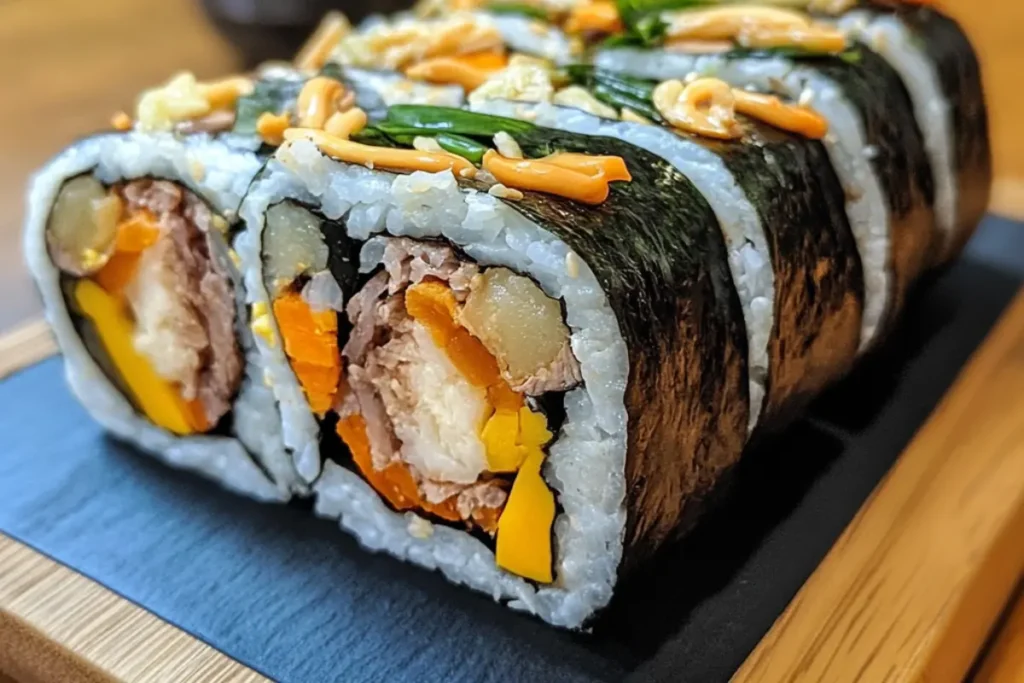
419	409
182	299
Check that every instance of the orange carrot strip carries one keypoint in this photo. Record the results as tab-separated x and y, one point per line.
136	233
489	60
195	414
117	272
311	344
538	176
613	168
395	483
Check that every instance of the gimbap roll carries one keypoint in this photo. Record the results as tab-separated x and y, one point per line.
522	363
129	239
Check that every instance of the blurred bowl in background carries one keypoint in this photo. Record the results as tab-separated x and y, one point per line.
275	29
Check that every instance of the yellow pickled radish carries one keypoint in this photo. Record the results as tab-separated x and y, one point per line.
500	436
533	429
158	400
524	528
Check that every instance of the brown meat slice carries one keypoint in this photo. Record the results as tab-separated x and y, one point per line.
410	261
561	374
183	300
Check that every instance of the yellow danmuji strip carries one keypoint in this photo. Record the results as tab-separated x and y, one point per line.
772	110
524	528
381	157
613	168
540	176
157	399
311	344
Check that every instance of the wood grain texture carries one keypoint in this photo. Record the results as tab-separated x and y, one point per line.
1004	661
56	625
68	65
910	590
26	345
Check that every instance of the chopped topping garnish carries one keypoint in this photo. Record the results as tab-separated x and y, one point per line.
468	71
317	50
578	97
378	157
708	106
529	174
609	167
768	108
520	82
752	26
503	192
599	16
399	44
704	107
507	145
184	99
319	98
121	121
271	127
346	124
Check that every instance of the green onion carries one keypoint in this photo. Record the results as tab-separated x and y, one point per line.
519	8
374	137
589	76
468	149
450	120
633	11
619	100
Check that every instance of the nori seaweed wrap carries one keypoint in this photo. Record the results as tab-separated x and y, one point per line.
654	415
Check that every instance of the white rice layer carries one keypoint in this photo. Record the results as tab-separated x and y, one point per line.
534	37
888	36
586	463
866	205
221	176
749	257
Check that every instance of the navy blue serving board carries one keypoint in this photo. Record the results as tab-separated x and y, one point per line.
296	599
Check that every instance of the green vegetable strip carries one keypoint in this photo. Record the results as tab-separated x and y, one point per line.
519	8
619	100
589	76
450	120
375	137
471	150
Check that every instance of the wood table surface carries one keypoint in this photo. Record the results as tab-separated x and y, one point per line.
69	64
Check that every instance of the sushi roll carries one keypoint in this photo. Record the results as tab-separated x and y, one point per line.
522	363
940	70
129	238
126	238
874	141
779	205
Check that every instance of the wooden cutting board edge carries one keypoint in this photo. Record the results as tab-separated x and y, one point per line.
909	592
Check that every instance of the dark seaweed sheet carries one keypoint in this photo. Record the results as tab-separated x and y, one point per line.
819	284
899	160
657	252
960	76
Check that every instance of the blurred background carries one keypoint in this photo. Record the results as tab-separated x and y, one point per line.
68	65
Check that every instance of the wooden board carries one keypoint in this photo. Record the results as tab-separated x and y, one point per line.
56	625
947	521
1003	662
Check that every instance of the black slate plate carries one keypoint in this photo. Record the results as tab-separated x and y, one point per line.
295	598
